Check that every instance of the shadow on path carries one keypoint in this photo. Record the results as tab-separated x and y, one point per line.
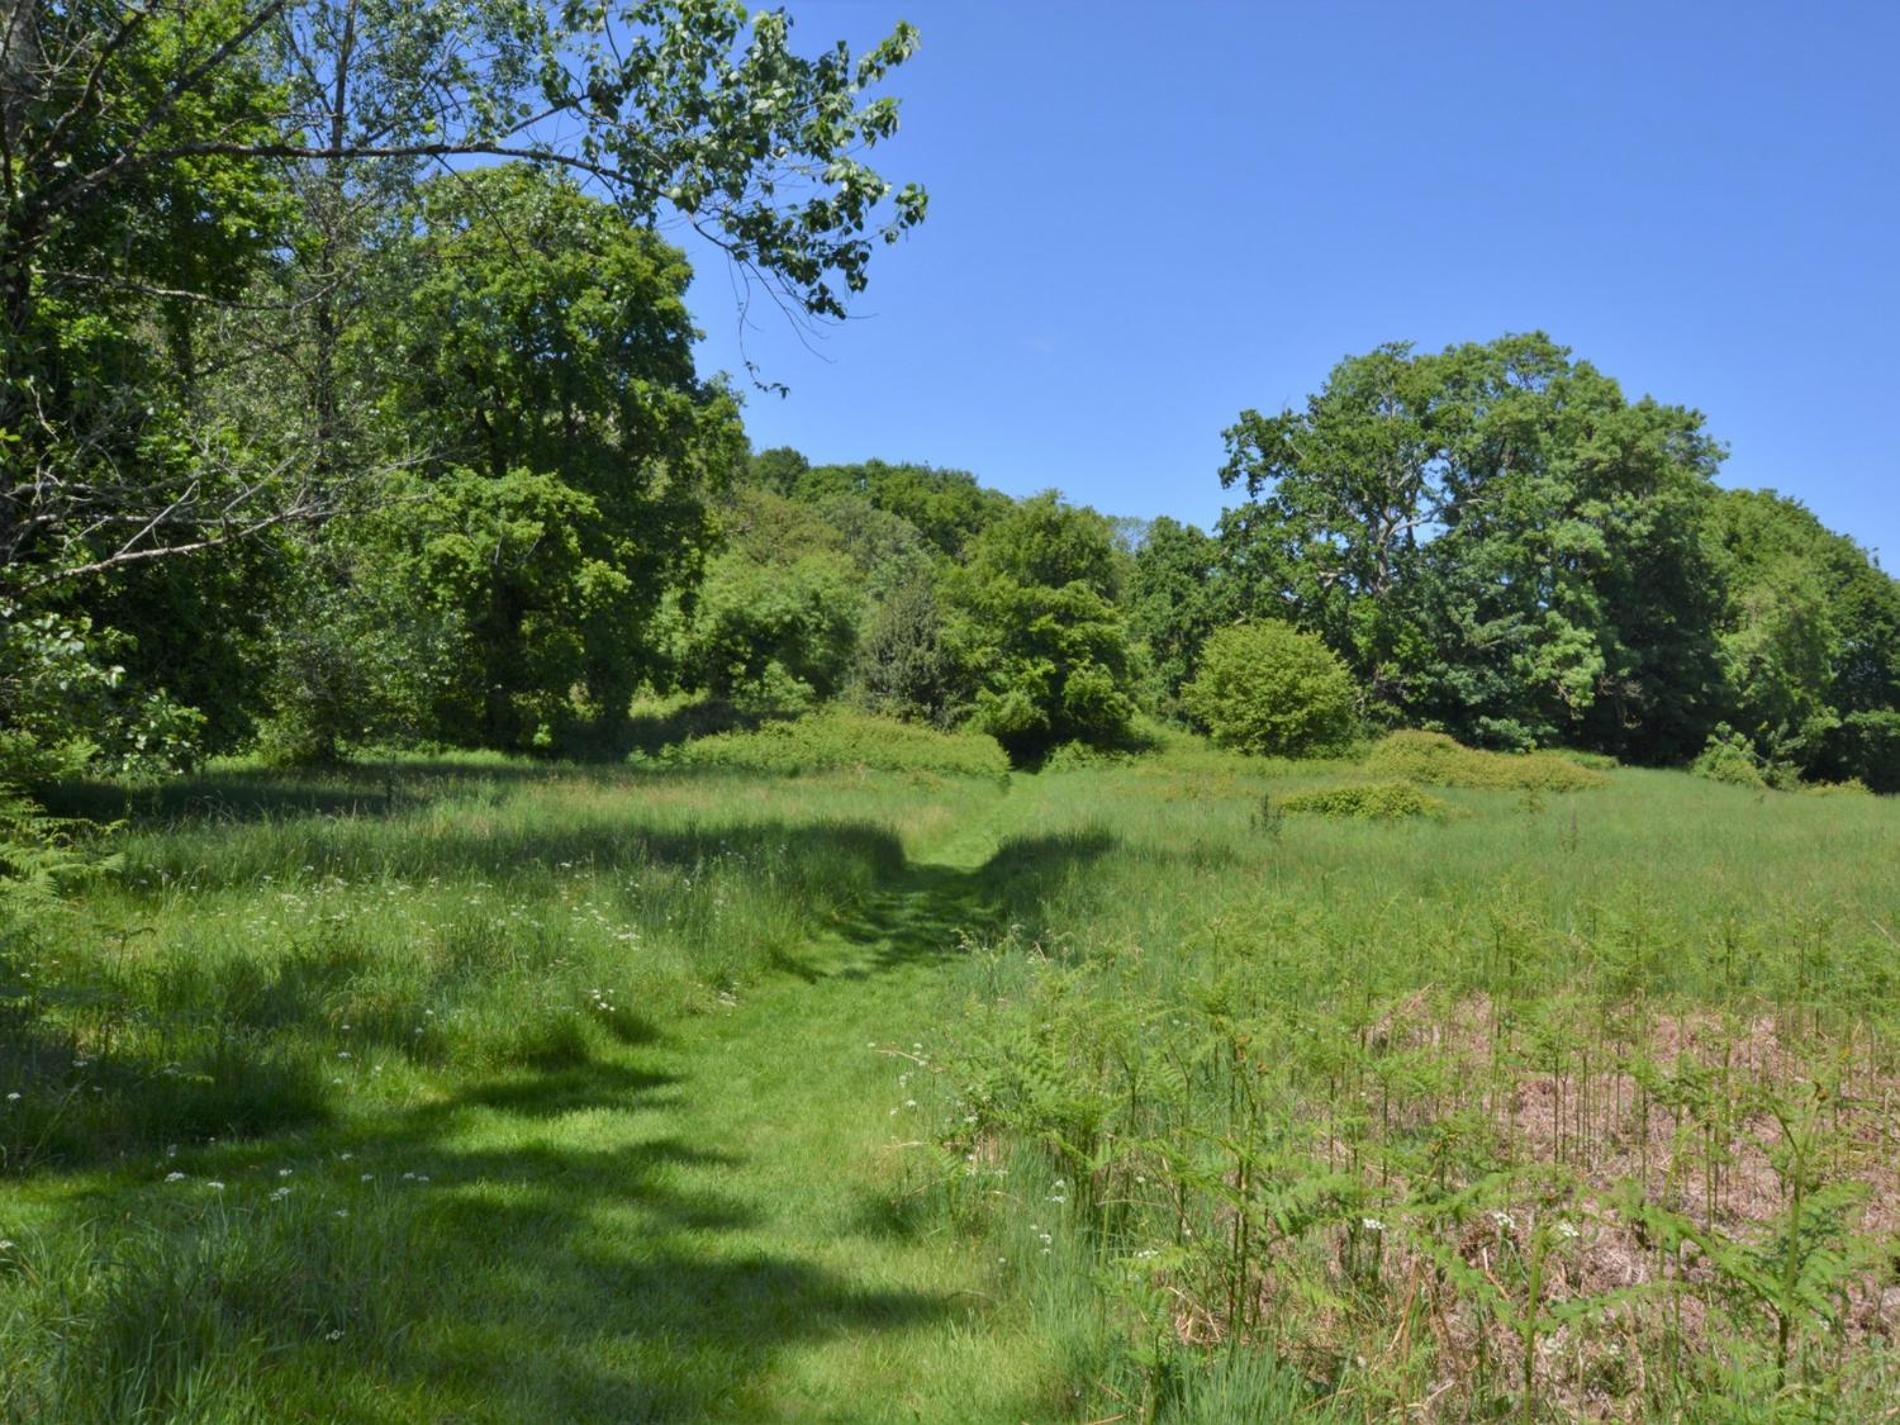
927	911
592	1241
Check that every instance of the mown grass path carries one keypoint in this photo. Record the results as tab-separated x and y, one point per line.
704	1226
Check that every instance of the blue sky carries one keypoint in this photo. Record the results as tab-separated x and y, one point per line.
1145	217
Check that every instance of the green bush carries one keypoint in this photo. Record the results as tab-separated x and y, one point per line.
1438	761
1269	689
774	635
1729	758
1852	787
836	738
1364	801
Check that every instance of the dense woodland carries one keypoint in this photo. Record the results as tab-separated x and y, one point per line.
348	401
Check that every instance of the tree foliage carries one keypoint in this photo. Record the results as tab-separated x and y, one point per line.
1040	630
1495	540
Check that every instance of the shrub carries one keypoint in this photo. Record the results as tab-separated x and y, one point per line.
1271	690
1364	801
1729	758
837	738
1852	787
1439	761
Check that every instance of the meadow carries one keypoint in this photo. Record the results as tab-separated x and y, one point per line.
825	1073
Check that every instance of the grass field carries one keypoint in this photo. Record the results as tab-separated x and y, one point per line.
783	1084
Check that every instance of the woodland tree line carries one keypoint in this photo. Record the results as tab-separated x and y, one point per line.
348	401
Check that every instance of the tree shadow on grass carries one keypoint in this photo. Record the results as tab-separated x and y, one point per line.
927	912
362	789
540	1244
541	1249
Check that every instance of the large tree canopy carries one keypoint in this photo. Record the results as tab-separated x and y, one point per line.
537	347
252	280
149	153
1494	538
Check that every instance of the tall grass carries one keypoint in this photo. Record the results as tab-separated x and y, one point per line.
1551	1108
476	1089
229	1073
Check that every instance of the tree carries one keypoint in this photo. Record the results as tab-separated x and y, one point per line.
1269	689
1495	541
1177	596
905	666
774	634
948	507
1039	628
183	175
1342	496
1810	638
538	347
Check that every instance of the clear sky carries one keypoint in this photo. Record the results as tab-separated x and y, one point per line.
1147	216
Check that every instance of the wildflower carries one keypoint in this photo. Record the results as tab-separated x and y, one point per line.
1504	1221
1568	1231
341	1212
334	1336
215	1185
343	1053
1372	1224
344	1157
13	1098
367	1177
6	1245
284	1172
174	1177
280	1194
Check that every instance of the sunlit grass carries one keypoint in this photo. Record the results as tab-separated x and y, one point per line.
486	1091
